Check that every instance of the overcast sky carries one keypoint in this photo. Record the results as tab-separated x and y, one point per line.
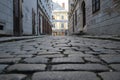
62	1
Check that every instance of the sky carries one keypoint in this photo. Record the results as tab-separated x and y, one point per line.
62	1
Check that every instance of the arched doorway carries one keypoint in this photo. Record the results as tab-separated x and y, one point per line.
84	14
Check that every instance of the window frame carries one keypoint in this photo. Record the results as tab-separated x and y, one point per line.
62	25
95	6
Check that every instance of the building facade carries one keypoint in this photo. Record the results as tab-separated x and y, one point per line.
95	17
6	17
29	12
20	17
44	17
60	20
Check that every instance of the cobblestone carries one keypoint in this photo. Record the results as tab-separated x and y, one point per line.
2	67
110	75
65	76
115	66
60	58
10	60
26	67
80	67
111	58
81	55
12	77
36	60
68	60
93	59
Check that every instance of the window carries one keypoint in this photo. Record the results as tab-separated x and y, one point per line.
1	27
53	25
62	17
95	5
62	25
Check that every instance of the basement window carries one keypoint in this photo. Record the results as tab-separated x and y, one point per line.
1	27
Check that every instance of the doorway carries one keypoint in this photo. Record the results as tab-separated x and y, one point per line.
84	13
17	17
33	22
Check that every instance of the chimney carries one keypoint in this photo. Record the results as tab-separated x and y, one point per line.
63	5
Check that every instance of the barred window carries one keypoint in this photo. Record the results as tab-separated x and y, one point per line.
95	5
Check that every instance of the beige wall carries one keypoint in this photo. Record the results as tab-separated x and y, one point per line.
60	18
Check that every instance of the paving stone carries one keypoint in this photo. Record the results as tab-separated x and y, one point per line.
73	52
81	55
97	49
91	52
61	45
110	75
111	58
65	76
108	51
6	56
48	53
12	77
26	67
10	60
82	49
80	67
68	60
2	67
93	59
65	48
51	56
24	56
115	66
36	60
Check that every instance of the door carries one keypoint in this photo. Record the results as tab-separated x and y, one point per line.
84	14
33	22
17	17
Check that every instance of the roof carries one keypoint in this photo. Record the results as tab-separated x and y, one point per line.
57	7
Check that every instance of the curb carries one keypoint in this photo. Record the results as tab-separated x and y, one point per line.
103	38
10	39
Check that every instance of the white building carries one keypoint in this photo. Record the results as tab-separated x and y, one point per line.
60	19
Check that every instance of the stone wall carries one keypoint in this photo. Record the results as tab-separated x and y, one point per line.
28	6
6	16
106	21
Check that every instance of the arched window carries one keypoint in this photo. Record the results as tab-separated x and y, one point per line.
95	5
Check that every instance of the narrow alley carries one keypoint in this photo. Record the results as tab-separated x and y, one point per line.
60	58
59	39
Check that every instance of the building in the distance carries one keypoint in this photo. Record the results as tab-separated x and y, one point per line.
96	17
60	20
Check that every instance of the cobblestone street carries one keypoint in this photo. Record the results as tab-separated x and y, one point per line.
60	58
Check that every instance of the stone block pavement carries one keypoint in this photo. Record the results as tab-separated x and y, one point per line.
60	58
